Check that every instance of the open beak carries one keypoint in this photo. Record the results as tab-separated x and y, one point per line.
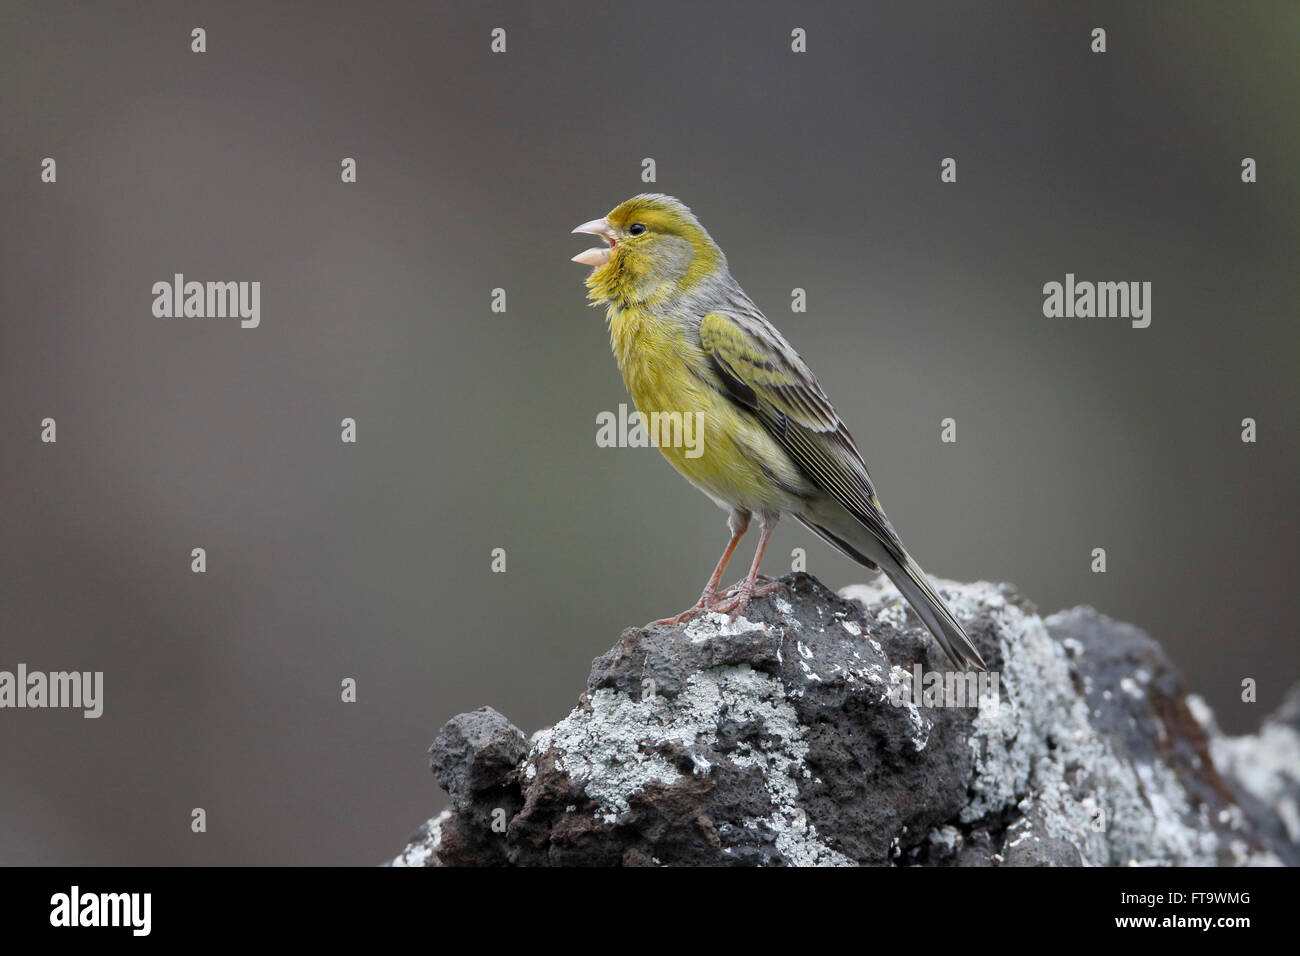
599	255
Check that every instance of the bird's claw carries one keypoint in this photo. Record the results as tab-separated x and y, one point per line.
745	592
705	603
771	587
734	600
765	586
682	618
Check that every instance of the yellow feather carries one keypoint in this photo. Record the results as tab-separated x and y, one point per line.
656	358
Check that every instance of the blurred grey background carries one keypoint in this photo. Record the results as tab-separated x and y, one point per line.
477	430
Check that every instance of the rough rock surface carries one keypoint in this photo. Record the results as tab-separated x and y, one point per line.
795	736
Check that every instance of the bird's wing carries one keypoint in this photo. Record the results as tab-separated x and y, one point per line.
763	373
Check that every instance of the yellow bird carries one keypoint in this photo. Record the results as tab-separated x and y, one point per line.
693	347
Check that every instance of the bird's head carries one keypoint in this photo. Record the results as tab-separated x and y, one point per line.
654	249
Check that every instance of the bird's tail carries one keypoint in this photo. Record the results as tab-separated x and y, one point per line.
882	551
930	608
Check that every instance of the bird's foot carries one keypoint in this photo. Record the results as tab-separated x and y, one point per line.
705	603
736	604
765	588
682	618
728	601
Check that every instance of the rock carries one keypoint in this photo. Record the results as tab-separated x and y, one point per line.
476	757
1263	770
825	730
423	846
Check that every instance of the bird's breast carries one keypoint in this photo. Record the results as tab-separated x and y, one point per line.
720	447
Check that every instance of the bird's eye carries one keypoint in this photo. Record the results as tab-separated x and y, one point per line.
636	229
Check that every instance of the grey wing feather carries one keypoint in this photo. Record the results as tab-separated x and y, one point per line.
786	397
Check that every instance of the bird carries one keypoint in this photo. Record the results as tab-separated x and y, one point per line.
688	340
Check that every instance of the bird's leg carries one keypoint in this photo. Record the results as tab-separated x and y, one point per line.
737	604
738	523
